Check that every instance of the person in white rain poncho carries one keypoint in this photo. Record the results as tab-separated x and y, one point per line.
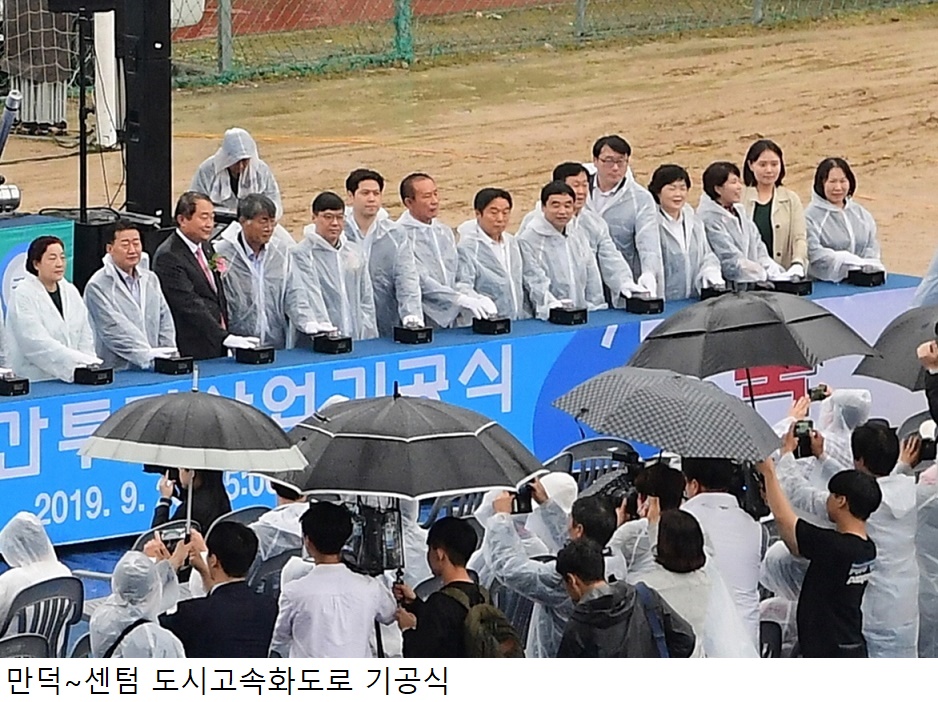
278	530
538	538
841	233
329	285
389	251
590	518
435	252
613	270
48	334
129	315
628	209
558	266
489	257
689	263
125	625
890	604
255	278
927	291
28	552
732	235
235	170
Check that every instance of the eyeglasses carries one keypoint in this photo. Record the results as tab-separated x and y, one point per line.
330	217
618	162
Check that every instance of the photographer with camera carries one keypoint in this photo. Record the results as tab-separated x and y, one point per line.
205	488
331	611
591	518
631	538
890	605
928	356
734	536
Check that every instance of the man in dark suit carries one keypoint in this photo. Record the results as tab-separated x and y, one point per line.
231	621
190	276
928	357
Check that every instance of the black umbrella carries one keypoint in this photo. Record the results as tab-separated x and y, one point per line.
671	411
898	363
194	430
406	447
742	330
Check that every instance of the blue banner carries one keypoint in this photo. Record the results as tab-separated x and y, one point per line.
512	379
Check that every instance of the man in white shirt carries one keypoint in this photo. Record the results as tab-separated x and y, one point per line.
736	538
331	611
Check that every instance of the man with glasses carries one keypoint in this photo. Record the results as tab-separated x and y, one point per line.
329	285
131	320
629	210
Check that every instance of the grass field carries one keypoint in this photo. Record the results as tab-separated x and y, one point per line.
863	88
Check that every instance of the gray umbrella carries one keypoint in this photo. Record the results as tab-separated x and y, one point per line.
671	411
406	447
897	344
743	330
194	430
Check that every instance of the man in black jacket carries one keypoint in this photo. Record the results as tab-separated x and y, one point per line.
612	620
434	629
928	357
190	277
231	621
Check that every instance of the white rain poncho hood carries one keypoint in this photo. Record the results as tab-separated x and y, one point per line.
631	214
24	542
138	589
840	414
213	179
558	266
562	489
279	531
26	548
435	254
329	284
839	239
42	344
689	262
125	331
480	270
256	300
735	240
393	269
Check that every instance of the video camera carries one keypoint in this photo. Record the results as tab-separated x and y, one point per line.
376	543
618	486
747	487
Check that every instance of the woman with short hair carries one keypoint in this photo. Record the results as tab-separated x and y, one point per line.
48	334
841	233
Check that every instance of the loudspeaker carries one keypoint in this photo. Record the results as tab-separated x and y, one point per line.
144	28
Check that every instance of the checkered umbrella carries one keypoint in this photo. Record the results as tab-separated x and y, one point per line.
671	411
897	344
748	329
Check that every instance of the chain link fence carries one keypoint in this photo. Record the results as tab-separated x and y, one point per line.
242	39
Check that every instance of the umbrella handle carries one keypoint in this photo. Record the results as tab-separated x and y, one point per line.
752	397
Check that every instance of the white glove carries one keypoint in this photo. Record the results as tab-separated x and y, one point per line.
488	307
412	320
796	270
849	260
564	303
773	271
240	342
873	264
631	288
162	352
751	272
86	359
712	278
313	328
473	304
6	372
647	281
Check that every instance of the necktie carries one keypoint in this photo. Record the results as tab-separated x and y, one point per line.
203	264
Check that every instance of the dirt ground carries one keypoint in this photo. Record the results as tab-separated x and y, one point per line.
863	91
